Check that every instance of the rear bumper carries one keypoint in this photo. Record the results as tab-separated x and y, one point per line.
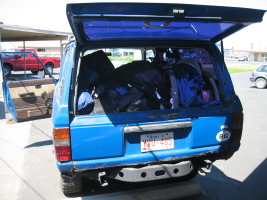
252	79
154	172
144	159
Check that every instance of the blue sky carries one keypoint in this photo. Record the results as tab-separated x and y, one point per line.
51	15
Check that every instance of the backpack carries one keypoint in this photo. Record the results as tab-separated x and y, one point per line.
148	79
123	98
100	63
190	85
95	69
189	82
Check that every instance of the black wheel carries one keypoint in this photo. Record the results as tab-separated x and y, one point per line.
34	72
7	70
213	84
260	83
71	184
50	68
49	103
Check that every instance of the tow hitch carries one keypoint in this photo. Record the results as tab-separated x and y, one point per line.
101	179
204	167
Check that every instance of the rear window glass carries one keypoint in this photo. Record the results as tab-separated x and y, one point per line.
198	54
139	79
262	68
120	30
119	56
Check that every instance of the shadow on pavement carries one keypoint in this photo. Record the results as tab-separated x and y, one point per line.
38	144
155	190
255	185
217	185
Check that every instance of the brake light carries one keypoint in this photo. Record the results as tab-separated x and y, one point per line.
252	74
62	143
237	127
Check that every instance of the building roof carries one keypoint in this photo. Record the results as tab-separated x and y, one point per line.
10	33
259	51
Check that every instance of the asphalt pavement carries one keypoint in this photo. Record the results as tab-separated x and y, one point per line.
28	169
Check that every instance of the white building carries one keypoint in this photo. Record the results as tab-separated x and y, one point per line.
44	48
258	55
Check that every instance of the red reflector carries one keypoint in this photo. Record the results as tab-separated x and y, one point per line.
237	127
63	153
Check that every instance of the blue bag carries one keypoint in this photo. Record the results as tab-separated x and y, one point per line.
190	83
85	102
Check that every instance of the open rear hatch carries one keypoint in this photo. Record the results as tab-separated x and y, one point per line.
126	21
165	134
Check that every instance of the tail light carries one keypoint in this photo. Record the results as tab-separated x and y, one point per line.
237	127
62	143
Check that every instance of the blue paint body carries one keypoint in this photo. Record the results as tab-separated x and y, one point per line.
99	142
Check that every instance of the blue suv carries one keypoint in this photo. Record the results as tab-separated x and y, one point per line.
143	93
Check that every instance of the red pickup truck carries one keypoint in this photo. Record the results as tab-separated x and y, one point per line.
14	61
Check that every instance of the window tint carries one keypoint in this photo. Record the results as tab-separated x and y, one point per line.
32	52
139	77
145	29
262	68
149	55
24	55
170	56
120	56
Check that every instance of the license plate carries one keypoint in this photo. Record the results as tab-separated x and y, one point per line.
157	141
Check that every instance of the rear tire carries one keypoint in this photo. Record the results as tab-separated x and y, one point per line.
34	72
260	83
71	185
7	70
49	68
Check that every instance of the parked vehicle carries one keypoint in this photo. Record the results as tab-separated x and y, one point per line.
21	62
243	58
166	116
27	99
259	77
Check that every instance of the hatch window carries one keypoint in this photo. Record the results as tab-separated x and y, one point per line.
122	80
110	30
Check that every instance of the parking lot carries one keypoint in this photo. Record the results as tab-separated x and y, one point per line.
28	169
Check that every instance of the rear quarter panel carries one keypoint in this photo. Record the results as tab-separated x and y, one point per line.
60	114
55	61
